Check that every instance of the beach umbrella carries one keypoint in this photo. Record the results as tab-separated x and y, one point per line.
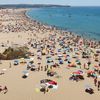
44	81
25	72
31	59
77	60
16	60
75	49
67	49
33	66
74	56
51	63
50	59
52	83
39	53
29	64
39	50
60	55
64	49
80	71
90	71
43	85
60	61
59	50
68	57
87	86
77	73
55	86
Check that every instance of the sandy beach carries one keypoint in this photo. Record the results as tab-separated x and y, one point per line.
54	51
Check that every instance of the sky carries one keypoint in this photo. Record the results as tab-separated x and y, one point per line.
60	2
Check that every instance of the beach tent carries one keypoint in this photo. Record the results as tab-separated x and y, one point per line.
25	74
60	55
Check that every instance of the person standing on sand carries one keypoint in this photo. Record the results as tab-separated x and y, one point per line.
89	63
41	68
45	68
46	89
38	68
10	65
0	61
85	66
95	81
99	68
98	83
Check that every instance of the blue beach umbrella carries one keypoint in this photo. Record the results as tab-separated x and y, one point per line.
87	86
25	72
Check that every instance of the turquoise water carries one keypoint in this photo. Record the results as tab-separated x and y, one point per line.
84	21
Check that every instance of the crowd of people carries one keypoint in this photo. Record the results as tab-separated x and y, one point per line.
59	49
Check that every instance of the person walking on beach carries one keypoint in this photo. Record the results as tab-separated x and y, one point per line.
98	86
46	89
99	68
10	65
95	81
84	65
89	63
45	68
38	68
41	68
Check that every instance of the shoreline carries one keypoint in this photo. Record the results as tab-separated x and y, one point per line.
62	29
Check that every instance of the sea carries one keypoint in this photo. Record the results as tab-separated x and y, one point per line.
83	21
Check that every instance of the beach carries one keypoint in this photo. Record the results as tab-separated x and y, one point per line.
50	50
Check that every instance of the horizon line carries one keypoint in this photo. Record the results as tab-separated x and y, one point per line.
51	4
